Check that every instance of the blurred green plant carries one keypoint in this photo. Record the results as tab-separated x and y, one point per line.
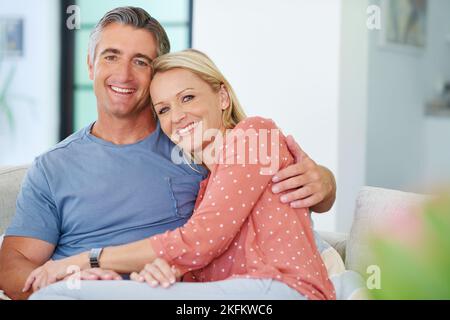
415	263
5	106
7	99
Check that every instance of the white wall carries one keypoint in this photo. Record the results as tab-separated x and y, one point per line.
405	148
352	115
437	70
395	117
37	79
282	58
437	153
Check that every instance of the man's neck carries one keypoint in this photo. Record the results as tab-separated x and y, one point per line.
124	130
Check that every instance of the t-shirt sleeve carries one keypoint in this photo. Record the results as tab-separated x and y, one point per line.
36	213
234	187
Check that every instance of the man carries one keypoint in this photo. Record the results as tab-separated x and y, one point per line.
113	182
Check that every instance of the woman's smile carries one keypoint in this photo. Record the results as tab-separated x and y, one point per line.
187	129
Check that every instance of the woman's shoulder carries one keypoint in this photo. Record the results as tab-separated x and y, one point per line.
256	123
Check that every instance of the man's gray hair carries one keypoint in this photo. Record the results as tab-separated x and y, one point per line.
131	16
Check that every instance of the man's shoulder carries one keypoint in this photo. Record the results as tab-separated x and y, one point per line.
256	122
63	147
73	138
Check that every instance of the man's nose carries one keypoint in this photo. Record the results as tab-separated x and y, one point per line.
124	72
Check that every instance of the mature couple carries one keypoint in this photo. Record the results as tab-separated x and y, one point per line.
109	201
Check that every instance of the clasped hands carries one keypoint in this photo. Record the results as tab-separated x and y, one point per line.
159	272
303	184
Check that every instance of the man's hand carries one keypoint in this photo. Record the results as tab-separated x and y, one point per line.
95	274
45	275
53	271
305	184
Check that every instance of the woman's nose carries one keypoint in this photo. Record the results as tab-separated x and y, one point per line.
177	115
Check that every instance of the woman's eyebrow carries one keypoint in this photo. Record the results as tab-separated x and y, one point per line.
177	95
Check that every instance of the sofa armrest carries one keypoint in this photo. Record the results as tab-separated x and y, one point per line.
337	240
10	181
3	296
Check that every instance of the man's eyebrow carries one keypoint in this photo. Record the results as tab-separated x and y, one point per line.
117	51
110	50
143	56
178	94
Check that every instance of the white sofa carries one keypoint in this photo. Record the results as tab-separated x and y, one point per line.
372	205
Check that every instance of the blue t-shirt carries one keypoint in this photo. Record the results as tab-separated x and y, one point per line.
86	192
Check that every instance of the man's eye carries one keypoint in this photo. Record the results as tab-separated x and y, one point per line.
111	58
141	63
187	98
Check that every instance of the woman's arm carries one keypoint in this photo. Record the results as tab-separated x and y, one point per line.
232	192
229	199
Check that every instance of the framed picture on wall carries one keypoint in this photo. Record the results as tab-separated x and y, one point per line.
11	37
404	25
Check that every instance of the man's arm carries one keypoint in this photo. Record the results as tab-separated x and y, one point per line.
330	187
18	257
305	184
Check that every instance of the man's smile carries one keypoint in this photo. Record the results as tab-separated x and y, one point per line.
122	90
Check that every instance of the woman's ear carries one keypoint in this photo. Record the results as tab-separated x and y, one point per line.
224	97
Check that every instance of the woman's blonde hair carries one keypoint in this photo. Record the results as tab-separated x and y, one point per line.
201	65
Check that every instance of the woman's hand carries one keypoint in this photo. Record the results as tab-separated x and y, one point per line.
159	272
48	273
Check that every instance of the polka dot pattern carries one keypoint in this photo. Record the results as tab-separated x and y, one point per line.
244	230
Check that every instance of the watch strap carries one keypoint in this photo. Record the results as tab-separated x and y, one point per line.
94	257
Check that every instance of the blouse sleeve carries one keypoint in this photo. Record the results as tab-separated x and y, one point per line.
253	152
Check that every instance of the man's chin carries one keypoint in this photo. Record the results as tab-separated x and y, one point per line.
124	111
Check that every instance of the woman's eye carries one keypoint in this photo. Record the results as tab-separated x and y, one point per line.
187	98
163	110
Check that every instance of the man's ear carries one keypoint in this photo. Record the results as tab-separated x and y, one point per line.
224	97
90	67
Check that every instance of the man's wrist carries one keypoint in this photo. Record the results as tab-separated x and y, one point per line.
327	202
83	261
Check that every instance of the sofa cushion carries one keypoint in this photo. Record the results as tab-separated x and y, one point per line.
337	240
373	206
10	181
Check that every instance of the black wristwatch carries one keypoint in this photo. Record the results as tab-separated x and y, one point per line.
94	256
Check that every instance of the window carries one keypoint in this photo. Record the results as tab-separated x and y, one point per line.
78	100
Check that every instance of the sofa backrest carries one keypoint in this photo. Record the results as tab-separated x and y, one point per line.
10	181
373	207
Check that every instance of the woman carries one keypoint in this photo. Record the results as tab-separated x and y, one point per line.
241	241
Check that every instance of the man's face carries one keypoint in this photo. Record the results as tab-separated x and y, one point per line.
121	70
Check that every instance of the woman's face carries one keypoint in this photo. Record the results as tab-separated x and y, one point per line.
189	111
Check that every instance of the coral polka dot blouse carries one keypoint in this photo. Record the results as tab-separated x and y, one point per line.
239	228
